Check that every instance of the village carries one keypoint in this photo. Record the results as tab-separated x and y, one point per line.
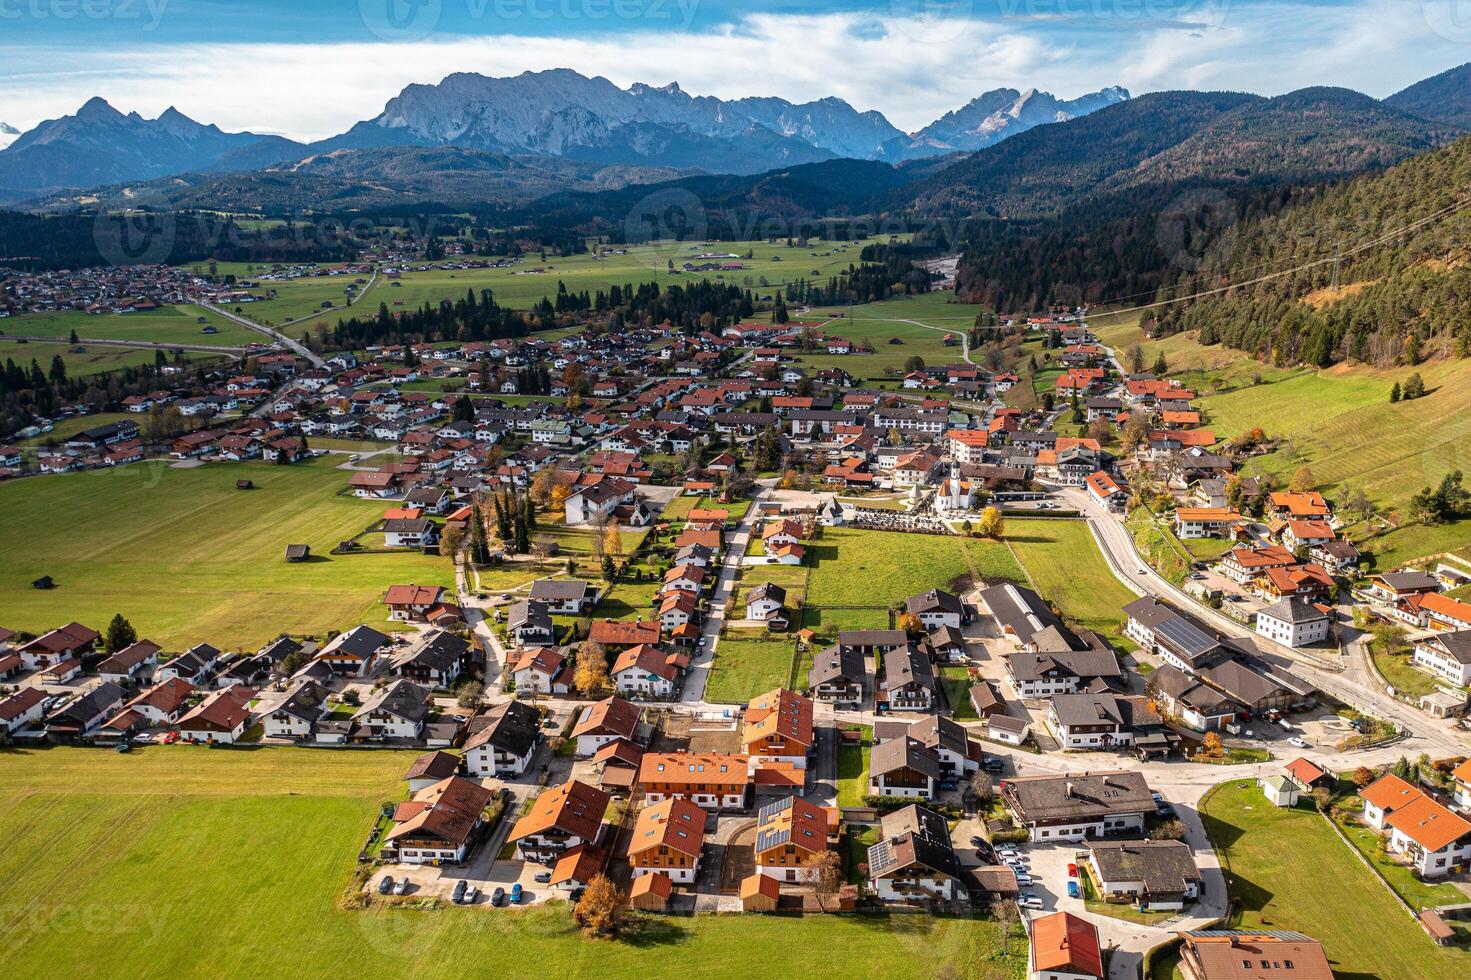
970	746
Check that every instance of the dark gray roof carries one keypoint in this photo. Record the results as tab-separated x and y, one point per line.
837	663
908	666
913	837
360	641
439	651
511	727
405	699
768	590
1293	610
872	638
529	614
560	590
902	753
1023	612
1164	866
1456	645
935	600
1079	796
1079	663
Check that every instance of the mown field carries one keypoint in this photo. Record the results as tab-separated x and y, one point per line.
1341	423
1066	567
303	298
170	325
188	862
1288	870
190	559
94	360
933	315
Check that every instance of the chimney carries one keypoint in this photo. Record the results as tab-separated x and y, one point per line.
1069	791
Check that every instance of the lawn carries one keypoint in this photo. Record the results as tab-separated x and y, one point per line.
303	298
1287	869
1126	911
1401	675
1067	568
94	360
748	663
1157	542
169	325
1419	894
189	862
957	682
853	769
190	559
881	568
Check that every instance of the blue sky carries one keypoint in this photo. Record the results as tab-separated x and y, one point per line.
310	68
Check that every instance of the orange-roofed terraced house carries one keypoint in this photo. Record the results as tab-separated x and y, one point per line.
791	835
1065	947
778	728
712	780
668	837
560	819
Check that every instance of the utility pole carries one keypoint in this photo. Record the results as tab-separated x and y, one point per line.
1337	260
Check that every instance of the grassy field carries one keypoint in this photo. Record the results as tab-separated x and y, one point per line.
956	680
880	568
1341	423
748	663
170	325
1067	568
66	428
190	559
853	770
298	298
1287	870
188	862
1419	894
521	287
94	360
933	315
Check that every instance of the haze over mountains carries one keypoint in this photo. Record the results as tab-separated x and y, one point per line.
557	114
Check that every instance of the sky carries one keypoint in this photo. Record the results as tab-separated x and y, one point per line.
309	69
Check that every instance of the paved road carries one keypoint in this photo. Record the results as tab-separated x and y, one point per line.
133	344
295	346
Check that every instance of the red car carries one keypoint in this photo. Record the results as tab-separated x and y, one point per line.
170	738
1072	870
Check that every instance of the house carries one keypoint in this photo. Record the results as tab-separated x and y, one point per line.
22	709
565	597
914	861
869	642
937	608
1041	675
69	642
439	824
668	839
948	644
791	837
435	659
909	680
1441	612
1446	656
252	671
838	675
1098	721
959	754
1211	954
397	711
1006	729
80	716
625	634
1205	522
1177	640
1065	947
765	602
410	532
577	866
354	653
1078	806
1020	613
560	819
1392	587
407	603
1308	775
903	767
1158	875
223	717
540	670
130	662
161	704
715	781
1279	790
193	665
760	893
595	503
677	610
1461	785
1293	622
504	742
646	672
430	768
1435	840
778	729
780	534
601	723
529	624
297	714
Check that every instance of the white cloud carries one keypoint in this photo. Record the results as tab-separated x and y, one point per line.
912	74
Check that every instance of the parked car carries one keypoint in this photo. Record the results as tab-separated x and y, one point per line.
1022	878
472	895
977	842
386	885
1031	903
516	893
1297	741
994	765
498	897
402	888
1072	870
1072	890
458	895
543	877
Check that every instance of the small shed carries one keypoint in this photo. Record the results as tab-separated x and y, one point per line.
298	552
44	582
760	893
1436	927
244	484
1279	790
650	892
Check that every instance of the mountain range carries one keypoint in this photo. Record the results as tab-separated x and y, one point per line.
550	115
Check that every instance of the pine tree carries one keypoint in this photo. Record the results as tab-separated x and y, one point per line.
479	547
1394	393
120	634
